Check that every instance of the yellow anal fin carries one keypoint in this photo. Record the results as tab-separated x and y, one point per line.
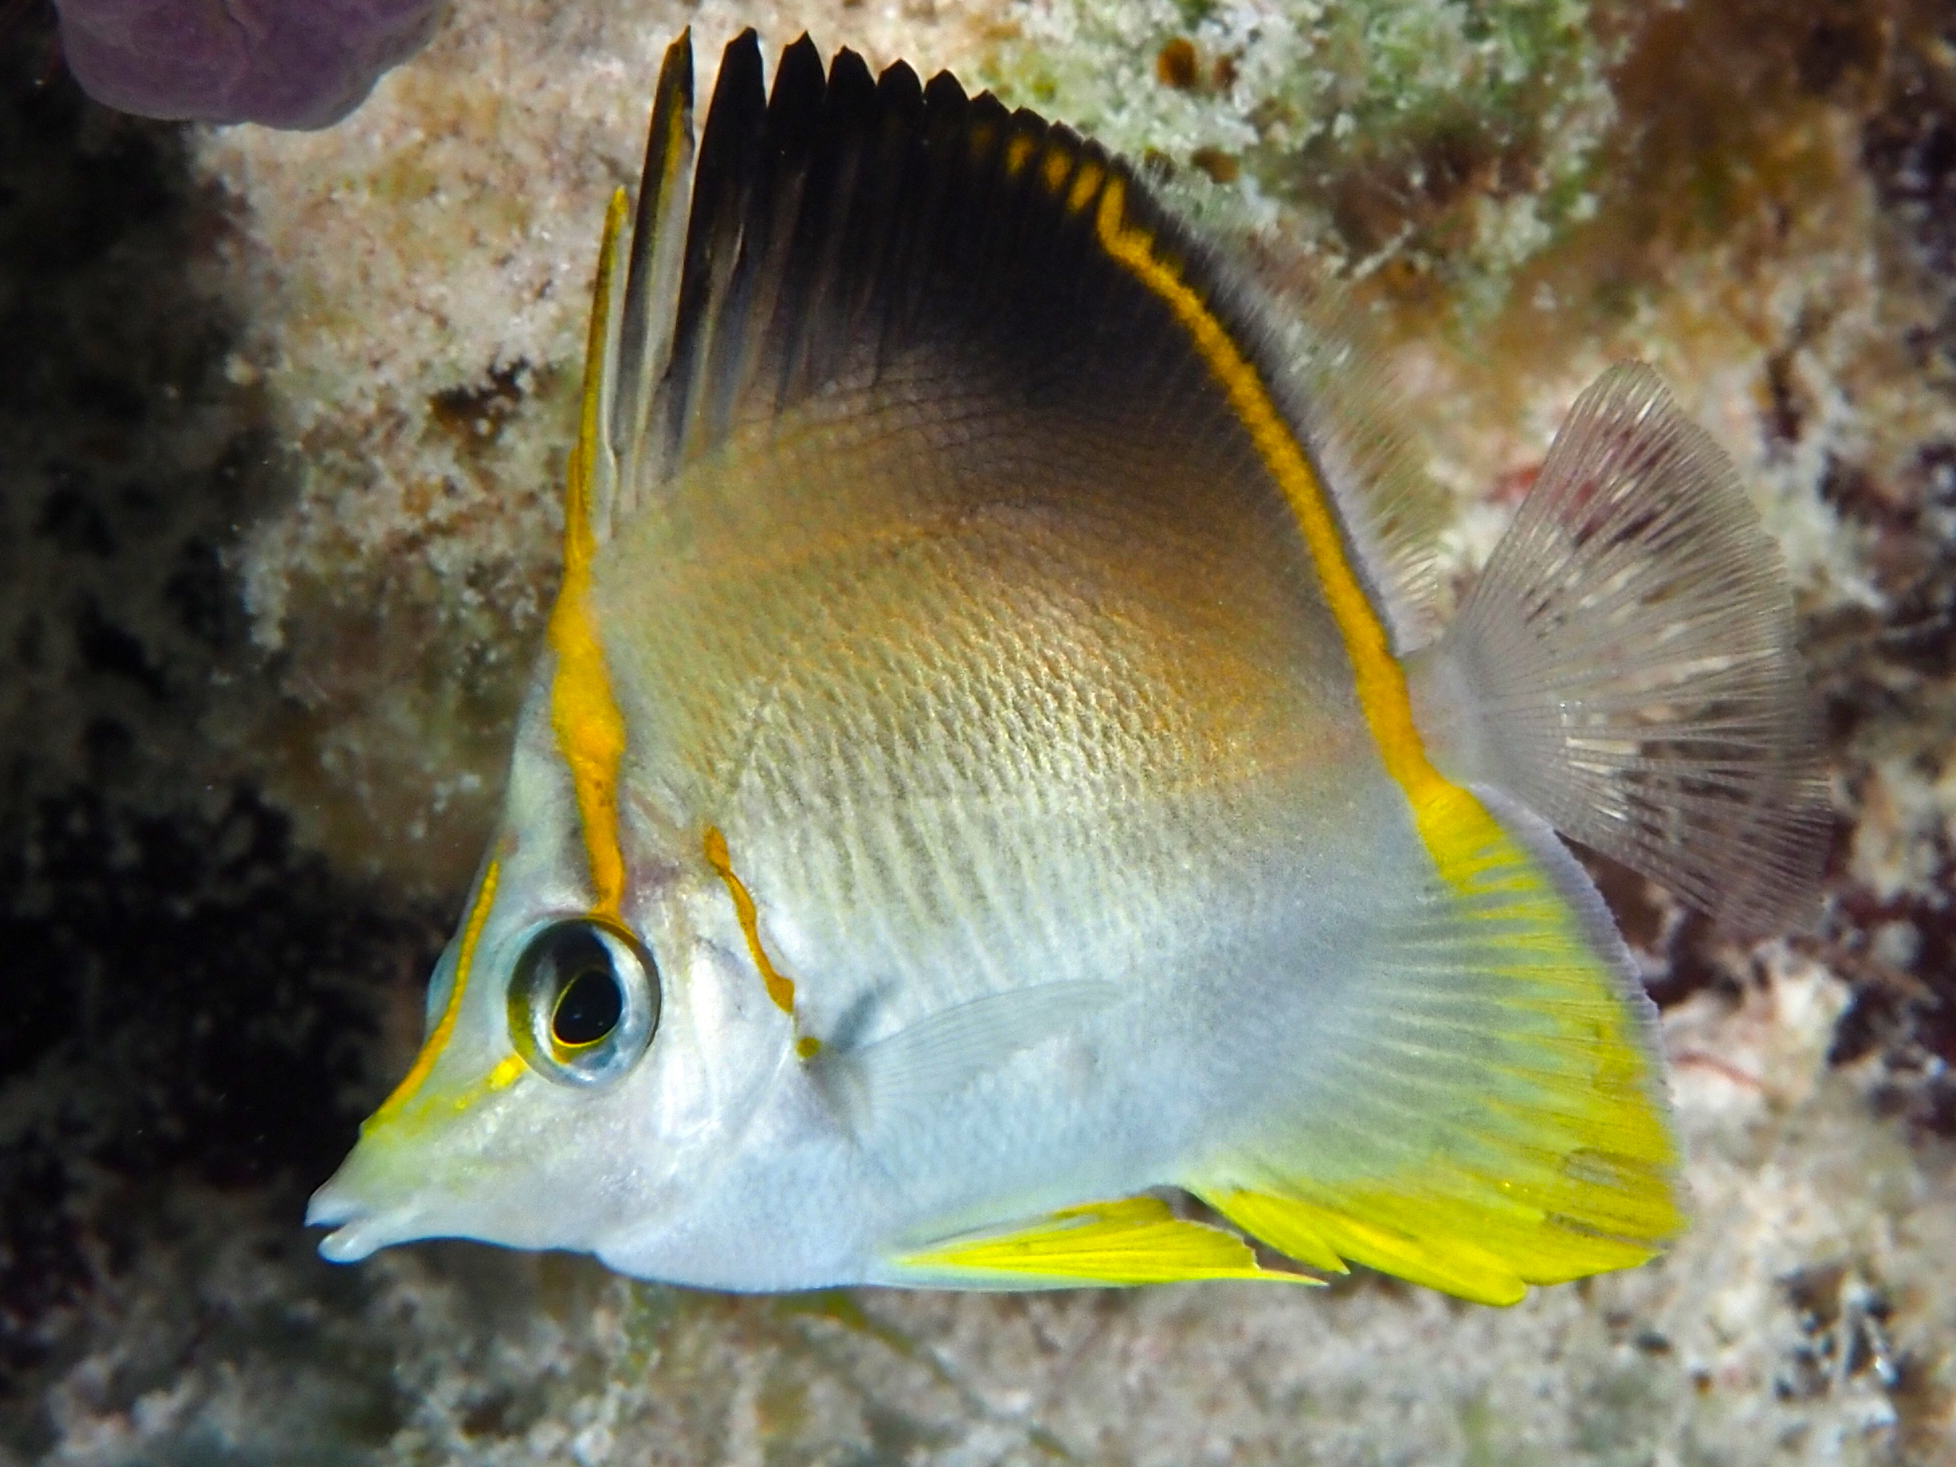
1487	1108
1133	1241
1481	1251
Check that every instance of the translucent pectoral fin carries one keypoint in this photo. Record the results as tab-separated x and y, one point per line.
1134	1241
1486	1112
935	1056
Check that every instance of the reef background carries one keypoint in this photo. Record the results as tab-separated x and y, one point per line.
283	419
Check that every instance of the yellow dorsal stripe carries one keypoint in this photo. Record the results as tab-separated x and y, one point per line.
1446	814
1055	166
590	729
1446	1226
424	1062
780	988
1085	184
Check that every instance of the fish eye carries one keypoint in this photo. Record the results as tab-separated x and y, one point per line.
583	1002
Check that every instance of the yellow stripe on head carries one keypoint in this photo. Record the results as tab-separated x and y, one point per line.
780	987
424	1062
590	729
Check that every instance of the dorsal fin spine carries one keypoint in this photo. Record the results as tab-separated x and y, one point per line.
826	195
650	302
721	184
753	291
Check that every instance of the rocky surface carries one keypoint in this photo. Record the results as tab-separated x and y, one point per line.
282	426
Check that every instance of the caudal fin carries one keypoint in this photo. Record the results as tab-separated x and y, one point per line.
1625	665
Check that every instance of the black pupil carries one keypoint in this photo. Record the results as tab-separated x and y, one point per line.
589	1007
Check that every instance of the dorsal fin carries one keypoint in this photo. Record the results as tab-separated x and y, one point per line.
658	249
838	223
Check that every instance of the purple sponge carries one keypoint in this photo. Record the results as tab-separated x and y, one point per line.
285	63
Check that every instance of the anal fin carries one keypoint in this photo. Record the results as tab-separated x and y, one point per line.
1486	1109
1487	1249
1137	1240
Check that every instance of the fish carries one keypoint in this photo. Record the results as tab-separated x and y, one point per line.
999	805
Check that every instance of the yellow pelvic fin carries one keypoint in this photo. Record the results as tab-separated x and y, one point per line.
780	987
589	726
1134	1241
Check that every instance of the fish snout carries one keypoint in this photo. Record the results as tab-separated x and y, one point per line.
355	1204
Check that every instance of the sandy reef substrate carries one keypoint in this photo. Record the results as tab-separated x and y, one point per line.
261	729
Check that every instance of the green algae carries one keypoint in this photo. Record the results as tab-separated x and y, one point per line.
1426	137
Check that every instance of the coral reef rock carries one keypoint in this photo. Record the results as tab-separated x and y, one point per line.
279	473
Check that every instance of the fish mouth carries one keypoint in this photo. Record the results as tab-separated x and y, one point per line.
359	1228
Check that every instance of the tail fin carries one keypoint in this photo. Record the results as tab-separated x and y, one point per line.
1625	665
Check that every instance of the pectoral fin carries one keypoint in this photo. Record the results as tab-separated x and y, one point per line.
925	1061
